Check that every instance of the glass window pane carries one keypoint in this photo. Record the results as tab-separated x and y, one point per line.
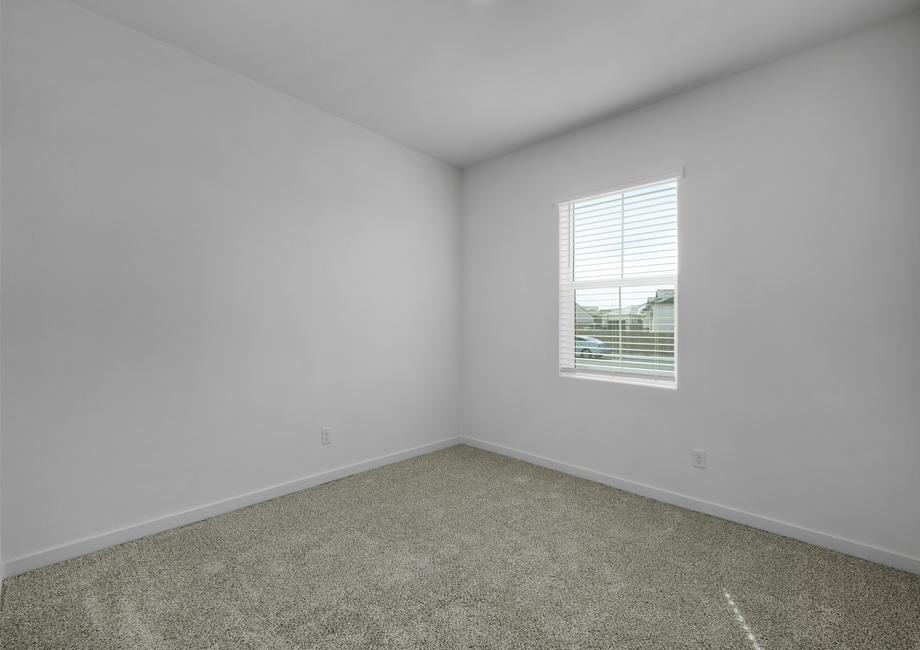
628	329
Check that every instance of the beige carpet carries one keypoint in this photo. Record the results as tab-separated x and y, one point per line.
463	549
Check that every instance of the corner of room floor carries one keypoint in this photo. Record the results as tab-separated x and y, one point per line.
490	551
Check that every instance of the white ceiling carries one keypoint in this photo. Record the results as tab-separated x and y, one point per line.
465	80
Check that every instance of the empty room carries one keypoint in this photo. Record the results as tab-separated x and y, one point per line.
526	324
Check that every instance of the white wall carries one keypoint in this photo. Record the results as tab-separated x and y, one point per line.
800	201
197	274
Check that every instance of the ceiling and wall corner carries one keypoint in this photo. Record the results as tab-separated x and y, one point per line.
465	81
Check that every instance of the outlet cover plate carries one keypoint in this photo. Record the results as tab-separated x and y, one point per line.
698	457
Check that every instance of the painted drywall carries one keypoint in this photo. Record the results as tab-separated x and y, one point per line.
198	273
799	237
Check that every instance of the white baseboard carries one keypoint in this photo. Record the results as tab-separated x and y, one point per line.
86	545
136	531
825	540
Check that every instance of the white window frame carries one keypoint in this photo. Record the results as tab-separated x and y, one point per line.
569	369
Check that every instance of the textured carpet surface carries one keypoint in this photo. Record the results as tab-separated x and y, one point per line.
463	549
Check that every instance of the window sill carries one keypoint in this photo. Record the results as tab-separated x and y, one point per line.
621	379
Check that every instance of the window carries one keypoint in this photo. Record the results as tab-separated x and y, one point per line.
618	284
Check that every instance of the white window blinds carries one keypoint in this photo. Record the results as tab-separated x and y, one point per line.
618	283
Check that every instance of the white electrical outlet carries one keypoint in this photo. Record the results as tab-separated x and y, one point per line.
325	436
699	458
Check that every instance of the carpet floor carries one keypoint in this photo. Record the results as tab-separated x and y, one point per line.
463	549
